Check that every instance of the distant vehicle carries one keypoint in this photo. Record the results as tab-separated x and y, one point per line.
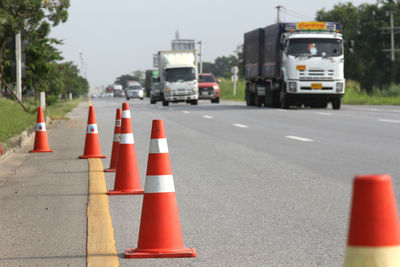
155	93
297	64
208	87
151	78
117	90
134	90
178	76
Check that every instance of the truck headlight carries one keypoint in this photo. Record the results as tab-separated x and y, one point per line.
292	87
339	87
194	89
216	87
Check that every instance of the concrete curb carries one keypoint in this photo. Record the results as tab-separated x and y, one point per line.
19	140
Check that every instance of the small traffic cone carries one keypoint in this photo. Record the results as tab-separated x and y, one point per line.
374	231
92	142
41	142
127	180
115	146
160	233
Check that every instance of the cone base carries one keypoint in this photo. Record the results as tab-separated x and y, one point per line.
92	156
120	192
41	150
177	253
110	170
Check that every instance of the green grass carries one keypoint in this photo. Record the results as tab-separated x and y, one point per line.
353	95
226	90
14	120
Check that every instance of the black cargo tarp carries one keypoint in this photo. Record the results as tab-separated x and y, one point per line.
253	53
271	61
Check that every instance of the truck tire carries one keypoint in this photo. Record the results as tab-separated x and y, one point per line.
336	102
249	96
268	96
258	100
165	103
152	101
215	100
284	100
194	102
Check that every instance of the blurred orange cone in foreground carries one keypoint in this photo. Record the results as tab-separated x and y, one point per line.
92	142
115	146
160	233
374	231
41	142
127	180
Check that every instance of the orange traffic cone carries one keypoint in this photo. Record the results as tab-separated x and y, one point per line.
127	180
92	142
41	142
374	232
160	233
115	146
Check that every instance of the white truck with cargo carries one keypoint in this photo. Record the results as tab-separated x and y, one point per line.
294	64
178	76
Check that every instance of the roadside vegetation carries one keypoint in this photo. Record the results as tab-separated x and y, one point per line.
353	95
14	119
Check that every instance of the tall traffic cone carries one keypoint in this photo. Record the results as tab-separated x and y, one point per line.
115	146
41	142
92	142
374	231
160	233
127	180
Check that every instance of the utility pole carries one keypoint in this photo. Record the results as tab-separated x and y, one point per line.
278	8
392	49
18	61
200	58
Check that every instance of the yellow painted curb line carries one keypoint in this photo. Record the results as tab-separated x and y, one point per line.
100	243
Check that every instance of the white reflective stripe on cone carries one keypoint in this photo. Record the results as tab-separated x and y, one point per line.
158	146
92	128
118	123
126	114
41	127
126	139
116	137
159	184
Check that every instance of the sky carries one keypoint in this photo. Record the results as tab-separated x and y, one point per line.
116	37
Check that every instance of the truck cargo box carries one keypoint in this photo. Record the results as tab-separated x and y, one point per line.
253	51
271	62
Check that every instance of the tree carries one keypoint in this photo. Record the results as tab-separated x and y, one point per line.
136	75
29	16
221	66
369	65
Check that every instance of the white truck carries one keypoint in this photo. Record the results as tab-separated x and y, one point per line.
294	64
178	76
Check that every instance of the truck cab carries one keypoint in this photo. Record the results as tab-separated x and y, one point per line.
312	67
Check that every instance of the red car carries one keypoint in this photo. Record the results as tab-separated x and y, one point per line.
208	87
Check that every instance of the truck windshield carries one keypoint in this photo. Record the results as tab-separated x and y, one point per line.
180	74
315	47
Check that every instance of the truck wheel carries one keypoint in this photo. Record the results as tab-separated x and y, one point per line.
268	97
249	96
336	102
194	102
127	98
165	103
216	100
284	100
257	100
323	104
152	101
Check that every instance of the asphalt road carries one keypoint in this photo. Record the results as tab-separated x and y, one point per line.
255	187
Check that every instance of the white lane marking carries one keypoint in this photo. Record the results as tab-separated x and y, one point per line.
208	117
299	138
373	109
240	125
324	113
186	112
391	121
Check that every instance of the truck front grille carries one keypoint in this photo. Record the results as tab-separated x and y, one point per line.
316	75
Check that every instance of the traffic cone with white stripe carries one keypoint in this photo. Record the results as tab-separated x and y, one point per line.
41	141
160	233
115	146
374	231
92	142
127	180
